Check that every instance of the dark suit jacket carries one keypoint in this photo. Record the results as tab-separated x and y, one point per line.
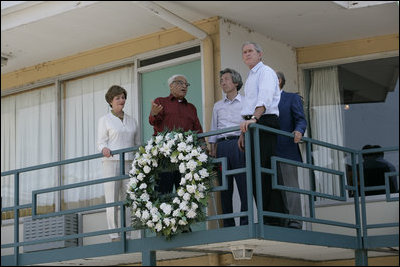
291	117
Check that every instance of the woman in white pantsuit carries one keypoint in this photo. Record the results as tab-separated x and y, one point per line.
116	130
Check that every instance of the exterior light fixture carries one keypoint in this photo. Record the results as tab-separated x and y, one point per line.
242	252
4	61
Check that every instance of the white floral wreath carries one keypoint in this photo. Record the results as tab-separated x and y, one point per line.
171	214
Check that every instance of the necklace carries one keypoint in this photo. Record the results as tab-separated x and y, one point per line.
121	117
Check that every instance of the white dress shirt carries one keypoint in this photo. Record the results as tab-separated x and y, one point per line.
226	113
116	134
261	89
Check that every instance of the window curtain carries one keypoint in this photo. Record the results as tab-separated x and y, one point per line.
28	138
326	123
83	104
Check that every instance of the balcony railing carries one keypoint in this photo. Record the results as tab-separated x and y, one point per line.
360	241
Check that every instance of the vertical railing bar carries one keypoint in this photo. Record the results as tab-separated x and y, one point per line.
311	180
249	180
258	185
16	218
356	200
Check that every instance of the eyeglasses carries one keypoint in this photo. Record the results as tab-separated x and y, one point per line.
182	83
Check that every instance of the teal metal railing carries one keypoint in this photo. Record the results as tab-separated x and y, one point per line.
360	242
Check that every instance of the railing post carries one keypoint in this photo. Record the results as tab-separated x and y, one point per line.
361	256
16	218
149	258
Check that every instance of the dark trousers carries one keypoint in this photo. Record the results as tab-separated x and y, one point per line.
288	176
166	182
235	160
271	199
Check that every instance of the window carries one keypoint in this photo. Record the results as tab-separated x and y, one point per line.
29	137
352	105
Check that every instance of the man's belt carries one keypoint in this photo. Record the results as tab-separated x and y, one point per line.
232	137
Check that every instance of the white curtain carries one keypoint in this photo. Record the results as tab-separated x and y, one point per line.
326	125
84	103
29	137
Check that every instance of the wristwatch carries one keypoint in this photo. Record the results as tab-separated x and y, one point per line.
254	118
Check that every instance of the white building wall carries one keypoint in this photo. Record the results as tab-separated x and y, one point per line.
277	55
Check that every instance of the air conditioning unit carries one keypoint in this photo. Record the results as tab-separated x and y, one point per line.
50	227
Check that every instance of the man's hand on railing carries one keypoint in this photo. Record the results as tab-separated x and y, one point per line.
297	136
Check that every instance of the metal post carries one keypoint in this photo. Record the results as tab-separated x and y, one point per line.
149	258
361	256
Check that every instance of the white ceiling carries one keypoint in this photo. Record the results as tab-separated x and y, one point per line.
35	32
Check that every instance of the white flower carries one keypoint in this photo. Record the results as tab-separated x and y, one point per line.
191	165
191	214
138	213
143	186
181	192
166	208
203	172
174	159
159	138
203	157
140	176
149	205
182	168
176	200
166	221
196	177
148	147
186	196
183	205
156	218
188	176
182	146
153	211
182	222
158	227
194	206
150	224
181	156
189	148
133	183
191	189
183	181
198	195
154	151
145	197
146	169
176	213
189	139
132	195
145	215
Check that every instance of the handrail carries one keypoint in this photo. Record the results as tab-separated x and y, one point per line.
360	224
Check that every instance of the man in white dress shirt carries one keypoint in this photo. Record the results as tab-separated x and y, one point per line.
261	106
226	113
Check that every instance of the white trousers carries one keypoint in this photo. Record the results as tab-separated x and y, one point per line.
116	191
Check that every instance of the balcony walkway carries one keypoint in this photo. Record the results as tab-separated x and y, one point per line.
310	245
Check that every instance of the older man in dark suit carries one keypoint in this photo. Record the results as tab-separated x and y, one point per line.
291	119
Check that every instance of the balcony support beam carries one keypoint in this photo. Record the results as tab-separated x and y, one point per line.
149	258
361	257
